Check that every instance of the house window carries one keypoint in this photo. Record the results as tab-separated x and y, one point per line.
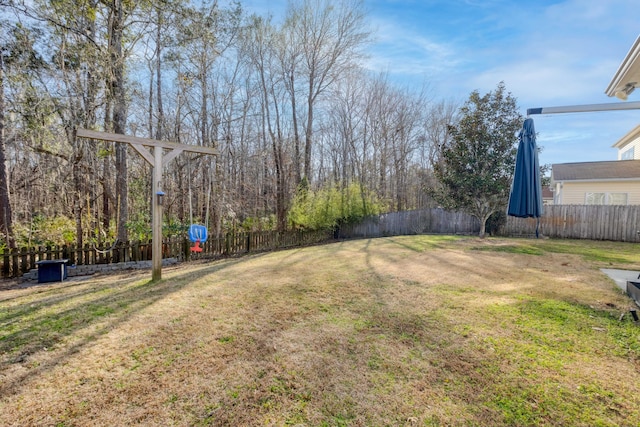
617	199
594	199
628	155
605	198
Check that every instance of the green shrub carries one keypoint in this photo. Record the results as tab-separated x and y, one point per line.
44	231
496	222
331	206
139	226
253	223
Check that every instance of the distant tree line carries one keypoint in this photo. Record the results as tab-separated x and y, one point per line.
302	128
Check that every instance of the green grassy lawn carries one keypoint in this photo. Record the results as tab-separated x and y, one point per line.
398	331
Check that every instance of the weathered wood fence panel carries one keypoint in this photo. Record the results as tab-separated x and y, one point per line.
16	262
436	221
618	223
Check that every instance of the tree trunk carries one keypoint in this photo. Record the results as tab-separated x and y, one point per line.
483	224
92	92
107	195
5	204
88	104
296	133
150	101
483	228
281	208
119	115
308	135
160	125
78	189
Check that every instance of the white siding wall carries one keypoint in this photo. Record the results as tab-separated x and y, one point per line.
635	144
573	193
557	193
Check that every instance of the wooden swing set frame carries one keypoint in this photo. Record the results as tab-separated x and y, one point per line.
153	151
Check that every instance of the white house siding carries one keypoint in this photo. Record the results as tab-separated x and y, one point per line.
574	193
630	141
635	145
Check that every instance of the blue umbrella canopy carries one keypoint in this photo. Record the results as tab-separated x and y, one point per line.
525	200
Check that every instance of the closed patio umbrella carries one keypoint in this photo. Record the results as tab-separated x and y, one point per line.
525	200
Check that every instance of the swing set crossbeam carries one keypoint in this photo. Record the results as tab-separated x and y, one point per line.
158	159
147	142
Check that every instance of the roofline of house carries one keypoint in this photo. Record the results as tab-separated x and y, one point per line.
585	108
595	161
632	135
625	66
562	181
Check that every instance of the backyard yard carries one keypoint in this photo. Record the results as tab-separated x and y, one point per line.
397	331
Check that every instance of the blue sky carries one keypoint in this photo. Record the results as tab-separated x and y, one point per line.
548	53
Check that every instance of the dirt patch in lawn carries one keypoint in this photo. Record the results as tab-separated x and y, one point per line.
420	330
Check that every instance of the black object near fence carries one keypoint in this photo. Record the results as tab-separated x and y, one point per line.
18	261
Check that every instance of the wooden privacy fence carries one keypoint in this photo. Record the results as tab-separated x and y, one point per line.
437	221
18	261
618	223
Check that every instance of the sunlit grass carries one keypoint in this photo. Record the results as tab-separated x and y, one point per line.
415	330
512	249
597	251
423	243
605	252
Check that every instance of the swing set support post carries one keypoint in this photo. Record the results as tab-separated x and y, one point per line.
156	216
157	160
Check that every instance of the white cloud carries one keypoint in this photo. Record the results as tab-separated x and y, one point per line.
405	51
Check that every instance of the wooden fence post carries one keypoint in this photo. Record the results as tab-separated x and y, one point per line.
6	263
24	260
15	261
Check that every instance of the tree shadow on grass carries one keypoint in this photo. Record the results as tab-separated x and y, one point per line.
40	324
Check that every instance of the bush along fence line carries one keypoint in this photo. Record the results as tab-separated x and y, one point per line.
19	261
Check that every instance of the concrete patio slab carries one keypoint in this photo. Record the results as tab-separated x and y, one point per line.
621	276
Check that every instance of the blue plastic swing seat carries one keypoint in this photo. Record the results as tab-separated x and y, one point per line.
198	233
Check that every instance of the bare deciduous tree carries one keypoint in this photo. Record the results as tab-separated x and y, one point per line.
330	37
